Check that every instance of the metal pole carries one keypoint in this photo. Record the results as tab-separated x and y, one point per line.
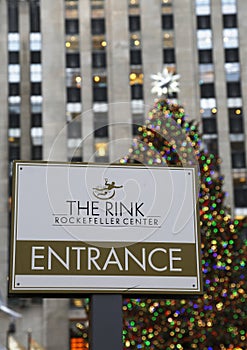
10	330
29	338
106	322
7	340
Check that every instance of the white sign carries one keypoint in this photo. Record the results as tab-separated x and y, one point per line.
97	228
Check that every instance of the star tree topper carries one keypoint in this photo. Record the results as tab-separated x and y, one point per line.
165	83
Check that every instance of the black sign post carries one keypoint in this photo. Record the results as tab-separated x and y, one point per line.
106	322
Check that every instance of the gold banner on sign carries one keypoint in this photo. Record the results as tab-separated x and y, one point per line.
79	258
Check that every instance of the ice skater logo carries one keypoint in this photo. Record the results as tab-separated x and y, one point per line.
105	192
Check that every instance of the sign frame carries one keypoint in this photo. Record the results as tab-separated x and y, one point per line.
59	291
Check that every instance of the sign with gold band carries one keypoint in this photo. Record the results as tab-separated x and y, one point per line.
95	228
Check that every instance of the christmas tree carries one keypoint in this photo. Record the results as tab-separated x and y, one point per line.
218	319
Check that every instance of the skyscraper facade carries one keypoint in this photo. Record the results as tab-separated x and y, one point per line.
75	85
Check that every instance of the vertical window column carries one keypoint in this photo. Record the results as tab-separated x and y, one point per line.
25	88
36	81
99	81
136	69
208	108
152	50
14	99
169	59
168	36
238	8
73	81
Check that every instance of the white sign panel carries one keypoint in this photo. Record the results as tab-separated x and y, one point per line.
97	228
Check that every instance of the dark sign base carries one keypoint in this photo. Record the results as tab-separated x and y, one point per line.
106	322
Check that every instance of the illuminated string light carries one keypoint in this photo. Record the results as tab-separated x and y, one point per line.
96	79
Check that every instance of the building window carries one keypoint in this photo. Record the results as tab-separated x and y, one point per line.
99	59
100	131
72	43
14	120
232	71
230	21
35	42
211	145
205	56
135	41
36	107
230	38
135	129
15	107
100	125
73	94
203	22
208	112
71	9
101	149
72	26
136	92
75	159
206	72
34	17
14	73
137	121
236	125
72	60
207	90
231	55
13	18
166	6
35	57
73	77
135	57
167	22
233	89
228	6
74	130
238	155
235	112
36	72
203	7
36	89
36	120
168	39
134	4
99	94
240	196
209	125
37	152
13	42
238	160
235	121
14	89
134	23
99	42
204	39
14	150
168	56
97	26
14	57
